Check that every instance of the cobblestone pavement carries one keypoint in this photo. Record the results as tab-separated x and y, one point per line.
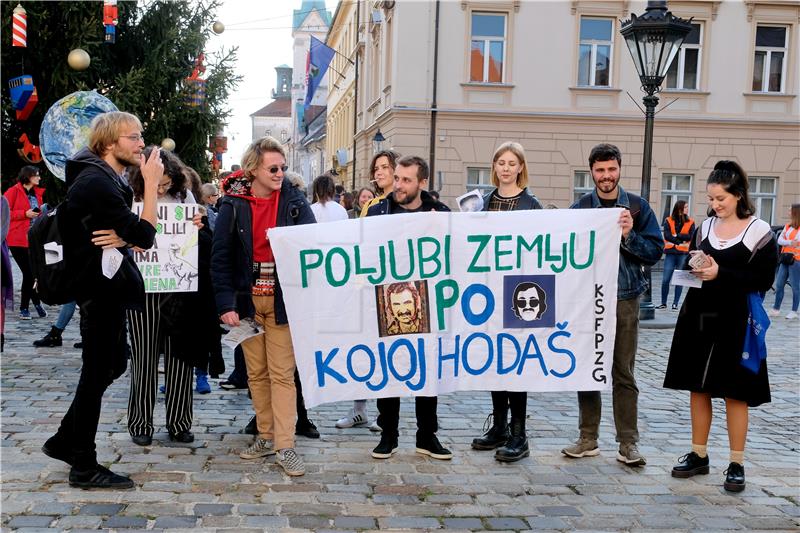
206	486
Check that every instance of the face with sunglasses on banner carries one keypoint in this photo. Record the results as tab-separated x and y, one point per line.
268	176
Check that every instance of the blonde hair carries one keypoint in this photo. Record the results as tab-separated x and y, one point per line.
516	149
106	129
251	158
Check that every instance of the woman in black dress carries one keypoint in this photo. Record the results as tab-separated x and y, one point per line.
706	352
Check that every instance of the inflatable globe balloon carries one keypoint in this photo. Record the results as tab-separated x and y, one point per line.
65	128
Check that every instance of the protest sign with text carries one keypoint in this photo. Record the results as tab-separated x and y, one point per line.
427	303
171	264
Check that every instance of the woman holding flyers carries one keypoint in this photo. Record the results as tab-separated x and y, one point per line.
164	326
738	258
510	178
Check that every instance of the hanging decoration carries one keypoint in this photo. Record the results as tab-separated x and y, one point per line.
21	89
25	112
19	27
195	85
218	27
29	151
168	144
110	20
79	59
217	145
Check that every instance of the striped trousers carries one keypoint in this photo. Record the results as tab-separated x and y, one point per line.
147	342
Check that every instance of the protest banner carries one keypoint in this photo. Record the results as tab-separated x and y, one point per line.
171	264
428	303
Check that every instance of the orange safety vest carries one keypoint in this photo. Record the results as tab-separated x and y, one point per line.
792	237
684	229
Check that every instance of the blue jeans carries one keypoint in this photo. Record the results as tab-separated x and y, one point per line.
65	315
672	262
792	273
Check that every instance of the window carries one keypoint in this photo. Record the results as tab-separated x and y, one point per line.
684	72
583	184
675	187
479	178
488	48
284	135
769	64
267	133
594	52
763	192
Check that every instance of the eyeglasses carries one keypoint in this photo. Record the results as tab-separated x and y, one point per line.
275	169
135	138
527	302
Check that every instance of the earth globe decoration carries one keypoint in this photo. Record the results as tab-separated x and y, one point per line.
66	125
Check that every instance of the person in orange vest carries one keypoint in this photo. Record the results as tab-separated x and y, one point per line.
678	230
789	267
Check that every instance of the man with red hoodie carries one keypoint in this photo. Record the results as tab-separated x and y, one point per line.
256	199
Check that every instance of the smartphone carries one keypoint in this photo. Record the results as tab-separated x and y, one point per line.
698	259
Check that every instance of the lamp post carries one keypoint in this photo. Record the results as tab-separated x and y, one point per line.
377	142
653	40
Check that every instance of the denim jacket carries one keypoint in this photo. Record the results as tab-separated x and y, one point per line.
643	246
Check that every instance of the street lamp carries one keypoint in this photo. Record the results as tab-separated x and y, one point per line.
377	141
653	41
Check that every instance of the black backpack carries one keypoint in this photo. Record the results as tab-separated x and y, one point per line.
53	279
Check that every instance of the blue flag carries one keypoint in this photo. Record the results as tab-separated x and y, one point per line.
754	350
319	57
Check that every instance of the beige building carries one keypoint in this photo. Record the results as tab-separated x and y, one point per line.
555	77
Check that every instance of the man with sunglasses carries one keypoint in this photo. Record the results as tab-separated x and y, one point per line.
641	244
258	198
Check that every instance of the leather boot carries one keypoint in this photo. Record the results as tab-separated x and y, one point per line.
497	434
50	340
517	446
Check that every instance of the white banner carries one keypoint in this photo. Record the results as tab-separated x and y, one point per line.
171	264
427	303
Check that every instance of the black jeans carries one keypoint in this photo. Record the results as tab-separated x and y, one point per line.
389	416
239	372
104	360
27	292
502	400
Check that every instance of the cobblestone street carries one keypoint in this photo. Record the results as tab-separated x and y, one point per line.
206	486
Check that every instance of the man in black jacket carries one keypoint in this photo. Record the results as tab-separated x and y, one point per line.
98	220
258	198
409	196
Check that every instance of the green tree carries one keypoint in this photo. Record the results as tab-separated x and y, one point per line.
143	73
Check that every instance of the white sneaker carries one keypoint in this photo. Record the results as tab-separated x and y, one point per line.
792	315
375	427
354	420
774	312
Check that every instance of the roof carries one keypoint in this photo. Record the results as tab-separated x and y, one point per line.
306	8
276	108
313	112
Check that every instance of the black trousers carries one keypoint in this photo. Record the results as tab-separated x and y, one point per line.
517	401
27	292
389	416
104	360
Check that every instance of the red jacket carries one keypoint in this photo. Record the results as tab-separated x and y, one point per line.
18	203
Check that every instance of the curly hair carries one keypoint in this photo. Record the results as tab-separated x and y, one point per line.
173	167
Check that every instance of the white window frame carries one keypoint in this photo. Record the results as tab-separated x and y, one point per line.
768	59
587	184
486	46
593	55
484	183
681	59
671	194
756	195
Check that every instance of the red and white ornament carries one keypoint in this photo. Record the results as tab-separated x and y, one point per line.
19	27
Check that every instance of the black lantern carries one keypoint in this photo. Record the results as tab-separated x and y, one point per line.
653	40
377	141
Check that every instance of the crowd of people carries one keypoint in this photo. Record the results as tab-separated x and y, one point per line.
237	280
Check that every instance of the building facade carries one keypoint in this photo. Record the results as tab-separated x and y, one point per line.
275	118
556	76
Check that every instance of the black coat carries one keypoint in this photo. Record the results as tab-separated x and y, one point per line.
232	250
526	201
98	199
388	206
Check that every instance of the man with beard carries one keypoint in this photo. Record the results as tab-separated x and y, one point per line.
404	308
641	244
409	196
530	301
98	221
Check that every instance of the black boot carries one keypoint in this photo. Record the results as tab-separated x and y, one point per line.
496	436
517	446
50	340
251	428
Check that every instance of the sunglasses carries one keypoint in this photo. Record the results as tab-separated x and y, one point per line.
275	169
527	302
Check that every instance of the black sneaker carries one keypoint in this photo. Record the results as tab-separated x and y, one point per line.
184	437
98	478
690	465
385	448
306	428
434	449
734	478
